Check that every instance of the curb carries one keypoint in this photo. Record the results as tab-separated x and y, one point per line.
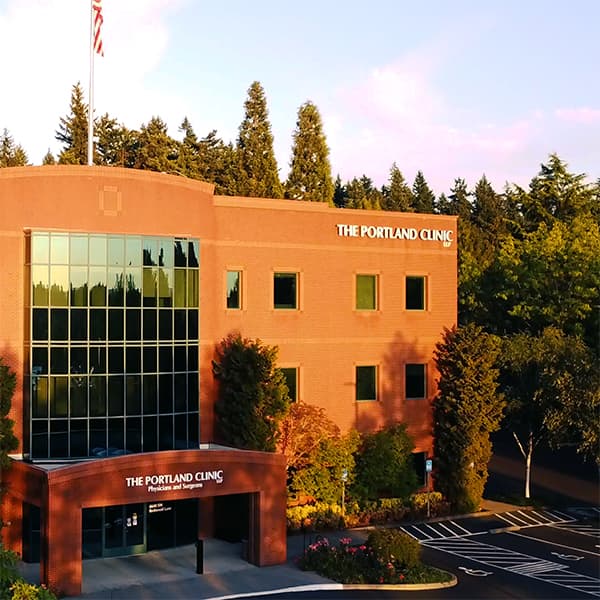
332	587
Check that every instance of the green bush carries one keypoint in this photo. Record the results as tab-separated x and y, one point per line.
8	572
22	590
438	507
389	545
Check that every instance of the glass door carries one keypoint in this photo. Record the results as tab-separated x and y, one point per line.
124	531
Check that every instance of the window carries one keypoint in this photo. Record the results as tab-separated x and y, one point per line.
415	386
285	290
415	293
366	383
366	292
234	291
291	380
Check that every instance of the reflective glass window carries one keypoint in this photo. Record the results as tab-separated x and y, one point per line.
115	360
180	358
40	282
97	396
59	362
165	429
192	324
180	392
78	437
180	291
97	285
59	396
133	434
366	292
39	361
133	359
59	324
116	251
193	254
134	394
39	330
133	287
78	361
115	325
165	325
165	287
97	325
149	358
98	430
150	327
116	394
59	438
39	400
133	324
78	325
291	380
366	383
40	248
165	394
116	286
78	396
150	276
79	250
97	246
97	360
150	394
78	283
150	434
180	253
59	286
116	436
192	288
59	249
150	252
179	325
234	283
133	251
166	252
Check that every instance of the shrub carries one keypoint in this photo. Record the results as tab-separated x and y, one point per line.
8	571
390	545
22	590
438	507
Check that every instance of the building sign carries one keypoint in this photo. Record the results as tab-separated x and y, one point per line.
446	236
168	482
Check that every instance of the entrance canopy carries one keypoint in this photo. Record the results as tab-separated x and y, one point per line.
61	491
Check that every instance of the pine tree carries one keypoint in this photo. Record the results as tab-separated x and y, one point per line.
73	130
443	205
116	144
397	196
466	410
11	154
48	158
310	171
459	200
340	198
157	150
423	197
361	193
258	173
189	161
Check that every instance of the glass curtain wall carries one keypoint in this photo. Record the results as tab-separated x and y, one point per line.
114	344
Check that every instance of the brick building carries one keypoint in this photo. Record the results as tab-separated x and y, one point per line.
115	288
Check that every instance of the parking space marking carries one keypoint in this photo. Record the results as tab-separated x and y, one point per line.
544	541
582	528
534	518
516	562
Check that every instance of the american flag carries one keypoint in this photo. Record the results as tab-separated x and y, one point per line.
98	19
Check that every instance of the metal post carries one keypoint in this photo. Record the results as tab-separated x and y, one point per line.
199	557
428	505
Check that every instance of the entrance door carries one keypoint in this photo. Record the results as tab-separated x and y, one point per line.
124	531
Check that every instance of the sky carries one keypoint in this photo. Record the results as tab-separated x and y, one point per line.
454	88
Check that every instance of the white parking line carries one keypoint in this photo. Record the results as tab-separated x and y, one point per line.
554	543
517	562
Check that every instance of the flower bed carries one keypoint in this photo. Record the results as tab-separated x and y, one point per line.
362	563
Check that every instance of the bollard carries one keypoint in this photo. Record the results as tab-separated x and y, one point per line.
199	556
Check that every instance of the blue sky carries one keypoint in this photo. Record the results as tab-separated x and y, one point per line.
454	88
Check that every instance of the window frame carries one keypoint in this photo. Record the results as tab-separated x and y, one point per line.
374	384
423	382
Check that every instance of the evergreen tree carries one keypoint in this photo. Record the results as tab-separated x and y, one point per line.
443	205
48	158
117	145
11	154
459	201
253	396
310	171
466	410
73	131
258	173
157	151
361	193
8	441
189	161
422	196
218	164
397	196
556	194
340	197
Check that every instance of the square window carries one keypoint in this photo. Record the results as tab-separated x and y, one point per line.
285	290
234	289
366	292
291	380
415	293
415	384
366	383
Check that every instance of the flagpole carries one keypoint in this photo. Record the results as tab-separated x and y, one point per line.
90	149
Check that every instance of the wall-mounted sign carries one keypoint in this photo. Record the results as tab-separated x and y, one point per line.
175	481
446	236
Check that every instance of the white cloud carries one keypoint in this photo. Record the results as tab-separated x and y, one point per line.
582	115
